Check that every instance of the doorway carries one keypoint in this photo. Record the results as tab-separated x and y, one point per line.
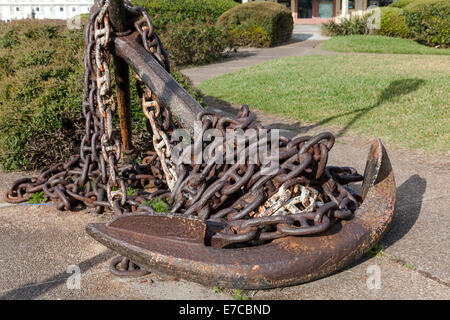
304	9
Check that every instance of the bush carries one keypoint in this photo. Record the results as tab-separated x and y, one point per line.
393	23
165	12
258	24
192	42
41	89
251	36
40	92
401	3
187	28
429	21
350	26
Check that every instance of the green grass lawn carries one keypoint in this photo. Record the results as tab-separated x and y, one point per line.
378	44
402	99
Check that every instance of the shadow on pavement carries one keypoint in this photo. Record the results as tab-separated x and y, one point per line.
33	290
407	209
297	37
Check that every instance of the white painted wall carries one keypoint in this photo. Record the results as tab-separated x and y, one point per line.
43	9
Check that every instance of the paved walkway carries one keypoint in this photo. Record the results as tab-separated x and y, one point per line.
305	41
38	243
308	32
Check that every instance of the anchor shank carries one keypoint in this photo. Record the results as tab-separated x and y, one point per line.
117	16
183	107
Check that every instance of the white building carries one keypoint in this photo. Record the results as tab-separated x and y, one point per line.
43	9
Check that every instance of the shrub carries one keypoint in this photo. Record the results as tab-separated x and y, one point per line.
187	29
258	24
251	36
175	11
195	42
352	25
429	21
393	23
401	3
41	89
331	28
40	92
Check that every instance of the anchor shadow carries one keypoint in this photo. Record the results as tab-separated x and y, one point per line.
407	211
395	89
33	290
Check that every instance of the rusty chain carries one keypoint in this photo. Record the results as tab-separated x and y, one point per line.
303	196
124	267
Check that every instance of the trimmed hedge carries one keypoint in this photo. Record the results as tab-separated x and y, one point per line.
41	88
187	28
429	21
401	3
192	42
258	24
393	23
164	12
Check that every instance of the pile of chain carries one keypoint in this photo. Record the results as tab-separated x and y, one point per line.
92	177
303	196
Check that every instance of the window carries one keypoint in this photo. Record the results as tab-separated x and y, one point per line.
37	9
17	9
351	4
325	8
61	9
74	9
